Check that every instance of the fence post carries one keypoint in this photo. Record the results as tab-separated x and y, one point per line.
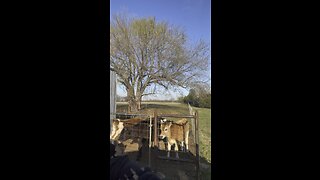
192	122
190	109
197	144
150	131
155	138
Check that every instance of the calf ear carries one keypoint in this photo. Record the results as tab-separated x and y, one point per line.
163	120
170	123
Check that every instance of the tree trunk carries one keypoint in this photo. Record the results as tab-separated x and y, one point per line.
133	105
134	100
138	99
139	104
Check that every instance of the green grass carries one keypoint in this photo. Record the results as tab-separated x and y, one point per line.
205	132
178	108
205	138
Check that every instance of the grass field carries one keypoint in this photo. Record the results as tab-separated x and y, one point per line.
178	108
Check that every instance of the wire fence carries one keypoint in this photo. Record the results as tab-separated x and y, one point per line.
148	129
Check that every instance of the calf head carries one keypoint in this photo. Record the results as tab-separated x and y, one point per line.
165	129
163	120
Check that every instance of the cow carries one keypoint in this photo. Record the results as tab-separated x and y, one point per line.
175	132
179	122
129	131
118	126
140	130
134	128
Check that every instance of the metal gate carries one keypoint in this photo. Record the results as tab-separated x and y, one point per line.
156	154
193	152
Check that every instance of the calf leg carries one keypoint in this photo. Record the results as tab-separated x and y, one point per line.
169	149
111	135
176	149
187	140
116	135
114	128
182	146
140	149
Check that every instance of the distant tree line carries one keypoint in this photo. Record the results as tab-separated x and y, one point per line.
198	97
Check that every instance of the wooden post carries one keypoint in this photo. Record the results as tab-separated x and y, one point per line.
155	130
155	139
150	130
197	144
192	122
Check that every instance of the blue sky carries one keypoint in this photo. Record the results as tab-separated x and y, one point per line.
194	16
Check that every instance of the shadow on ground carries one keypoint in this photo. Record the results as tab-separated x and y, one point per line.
170	169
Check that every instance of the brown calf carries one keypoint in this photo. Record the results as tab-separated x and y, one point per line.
175	132
127	130
118	125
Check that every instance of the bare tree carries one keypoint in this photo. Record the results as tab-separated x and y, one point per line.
201	88
144	52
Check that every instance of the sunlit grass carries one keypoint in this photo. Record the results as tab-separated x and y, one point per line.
205	132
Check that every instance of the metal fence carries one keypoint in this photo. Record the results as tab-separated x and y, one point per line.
148	128
193	119
136	131
141	130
